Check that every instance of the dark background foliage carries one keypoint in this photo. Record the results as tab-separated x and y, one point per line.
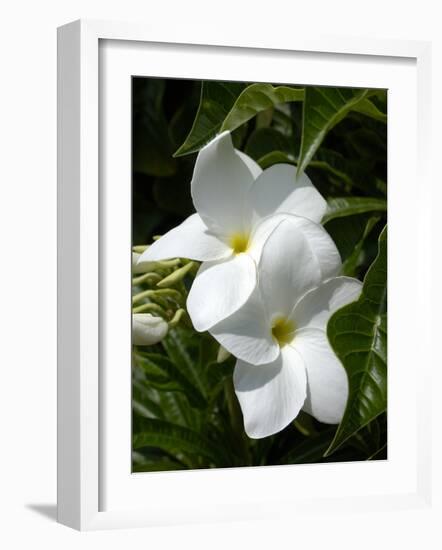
185	412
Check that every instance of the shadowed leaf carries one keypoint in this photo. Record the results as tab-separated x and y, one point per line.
358	335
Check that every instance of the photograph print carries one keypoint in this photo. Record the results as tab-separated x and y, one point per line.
259	274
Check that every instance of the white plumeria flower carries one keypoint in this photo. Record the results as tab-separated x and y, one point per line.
234	200
285	362
147	329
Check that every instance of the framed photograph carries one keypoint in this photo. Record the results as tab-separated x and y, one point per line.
223	275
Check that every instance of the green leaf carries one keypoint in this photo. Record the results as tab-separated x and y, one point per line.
275	157
174	439
367	107
163	374
217	98
178	344
349	206
143	400
380	454
228	105
323	109
350	265
358	335
257	98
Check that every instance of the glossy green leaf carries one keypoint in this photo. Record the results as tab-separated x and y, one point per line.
368	108
228	105
323	109
174	439
358	335
349	206
257	98
217	98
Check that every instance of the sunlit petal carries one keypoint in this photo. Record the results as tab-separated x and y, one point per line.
270	395
288	268
316	306
252	165
279	189
220	289
247	334
327	385
191	240
220	183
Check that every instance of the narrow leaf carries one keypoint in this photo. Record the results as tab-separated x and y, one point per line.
349	206
163	374
173	438
176	347
217	98
228	105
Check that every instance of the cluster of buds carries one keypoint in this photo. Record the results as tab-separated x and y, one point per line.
159	296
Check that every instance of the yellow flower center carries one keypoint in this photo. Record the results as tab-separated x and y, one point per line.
283	330
239	242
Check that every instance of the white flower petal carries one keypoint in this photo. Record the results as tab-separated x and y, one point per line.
220	289
252	165
316	306
288	268
147	329
191	239
261	232
278	189
322	245
327	385
271	395
247	333
219	187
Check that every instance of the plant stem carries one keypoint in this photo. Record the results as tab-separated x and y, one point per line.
150	307
147	277
236	419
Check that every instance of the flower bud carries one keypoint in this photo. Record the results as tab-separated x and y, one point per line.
175	277
223	355
147	329
141	267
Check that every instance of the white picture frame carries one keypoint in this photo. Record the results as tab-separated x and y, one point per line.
91	492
